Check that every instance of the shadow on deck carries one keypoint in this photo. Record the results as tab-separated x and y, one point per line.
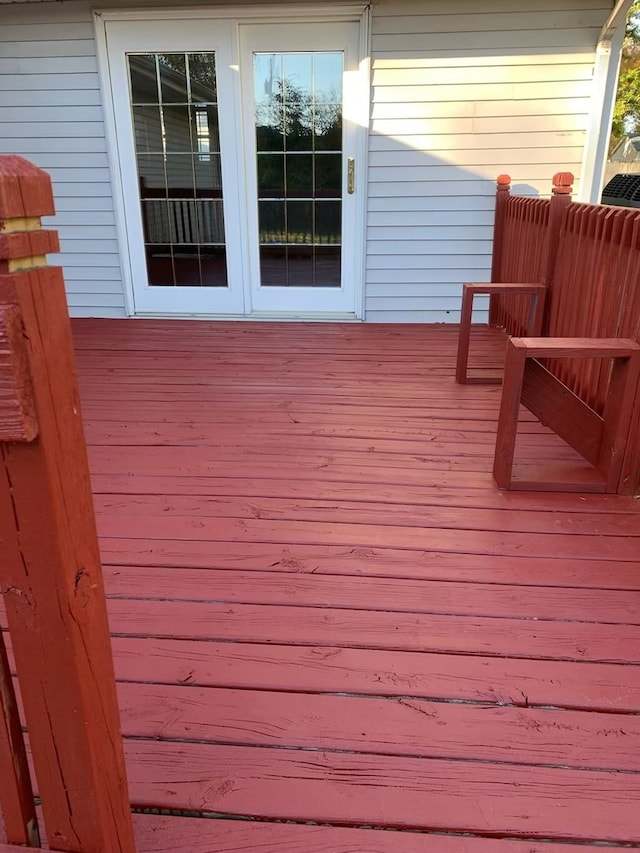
328	622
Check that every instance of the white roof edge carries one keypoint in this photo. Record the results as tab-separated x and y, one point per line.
617	18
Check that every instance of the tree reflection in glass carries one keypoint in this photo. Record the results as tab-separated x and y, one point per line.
298	120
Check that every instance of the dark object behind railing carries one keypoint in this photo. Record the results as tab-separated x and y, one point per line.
623	190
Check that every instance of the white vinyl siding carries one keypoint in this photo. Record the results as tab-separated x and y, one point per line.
461	92
51	113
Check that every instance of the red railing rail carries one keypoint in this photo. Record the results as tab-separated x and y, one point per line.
588	257
50	572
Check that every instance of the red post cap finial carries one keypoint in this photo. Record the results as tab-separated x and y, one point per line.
25	190
504	182
562	183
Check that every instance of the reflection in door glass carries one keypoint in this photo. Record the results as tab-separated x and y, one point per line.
298	118
175	118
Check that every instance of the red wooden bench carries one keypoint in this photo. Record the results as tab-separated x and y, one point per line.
566	288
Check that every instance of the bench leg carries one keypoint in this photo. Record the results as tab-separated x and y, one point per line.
536	316
508	419
463	336
536	295
617	420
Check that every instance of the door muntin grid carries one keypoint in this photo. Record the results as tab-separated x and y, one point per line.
176	128
299	151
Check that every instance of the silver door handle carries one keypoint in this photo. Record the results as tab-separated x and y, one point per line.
351	175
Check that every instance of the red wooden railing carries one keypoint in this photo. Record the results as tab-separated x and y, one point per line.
588	257
50	572
600	254
527	232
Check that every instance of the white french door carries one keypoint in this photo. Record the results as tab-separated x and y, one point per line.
301	146
172	86
238	145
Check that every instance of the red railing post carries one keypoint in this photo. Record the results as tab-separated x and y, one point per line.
503	191
560	201
50	570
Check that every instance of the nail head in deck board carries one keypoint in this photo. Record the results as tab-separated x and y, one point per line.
461	796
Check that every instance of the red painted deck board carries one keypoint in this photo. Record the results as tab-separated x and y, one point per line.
167	835
613	688
161	834
426	538
260	459
391	594
382	562
356	789
404	726
332	669
381	513
573	508
377	629
324	611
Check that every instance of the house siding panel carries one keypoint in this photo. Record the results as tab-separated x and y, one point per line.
51	113
460	93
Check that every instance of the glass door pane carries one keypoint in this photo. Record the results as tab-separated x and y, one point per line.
174	105
299	153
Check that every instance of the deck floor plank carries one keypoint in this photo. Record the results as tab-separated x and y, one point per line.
521	683
167	835
380	513
163	834
406	726
324	612
361	789
380	561
376	629
388	594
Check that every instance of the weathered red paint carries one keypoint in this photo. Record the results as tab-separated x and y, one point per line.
313	504
50	568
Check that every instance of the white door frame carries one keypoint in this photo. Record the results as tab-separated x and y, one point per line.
294	37
234	217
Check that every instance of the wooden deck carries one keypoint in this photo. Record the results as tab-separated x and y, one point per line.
328	623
